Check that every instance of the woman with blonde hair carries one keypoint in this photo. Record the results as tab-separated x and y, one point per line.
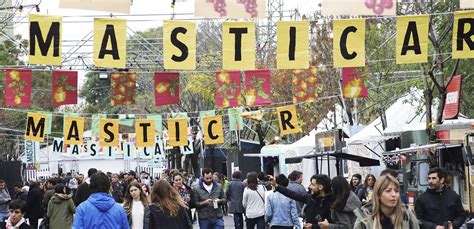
386	209
168	210
136	206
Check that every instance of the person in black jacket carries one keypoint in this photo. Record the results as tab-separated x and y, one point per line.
17	209
83	191
318	202
34	202
439	207
19	193
167	209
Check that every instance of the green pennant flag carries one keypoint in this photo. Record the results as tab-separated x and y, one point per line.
203	114
49	121
126	119
158	122
179	115
236	122
95	123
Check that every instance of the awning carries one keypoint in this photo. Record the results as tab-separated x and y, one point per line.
369	139
430	146
363	161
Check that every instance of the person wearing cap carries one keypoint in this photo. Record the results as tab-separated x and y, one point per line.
131	177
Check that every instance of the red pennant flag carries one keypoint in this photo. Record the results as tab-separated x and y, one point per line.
123	88
166	88
305	85
64	88
353	85
18	87
453	97
257	88
228	89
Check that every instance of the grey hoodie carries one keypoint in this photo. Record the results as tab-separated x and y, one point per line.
346	218
4	199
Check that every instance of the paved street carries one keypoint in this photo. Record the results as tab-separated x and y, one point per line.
228	222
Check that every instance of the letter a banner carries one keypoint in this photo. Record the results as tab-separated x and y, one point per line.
257	88
213	132
123	88
45	39
179	45
73	130
109	132
178	131
18	87
228	89
288	120
166	88
349	43
292	44
463	35
412	39
64	88
110	42
238	46
145	132
36	127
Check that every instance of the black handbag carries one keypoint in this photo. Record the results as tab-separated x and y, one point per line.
44	223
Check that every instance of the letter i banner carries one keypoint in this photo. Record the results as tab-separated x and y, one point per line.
353	84
257	88
292	44
18	87
123	88
305	85
288	120
45	39
178	131
166	88
64	88
228	89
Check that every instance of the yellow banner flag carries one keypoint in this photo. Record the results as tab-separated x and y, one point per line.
349	43
45	39
463	35
288	120
412	39
179	44
213	132
238	46
145	132
36	127
178	131
292	44
109	132
73	130
110	42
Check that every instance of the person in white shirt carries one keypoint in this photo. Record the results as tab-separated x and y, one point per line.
254	202
135	205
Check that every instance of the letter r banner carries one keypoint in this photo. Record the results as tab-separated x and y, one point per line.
287	119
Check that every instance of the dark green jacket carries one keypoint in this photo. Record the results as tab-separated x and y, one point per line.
61	209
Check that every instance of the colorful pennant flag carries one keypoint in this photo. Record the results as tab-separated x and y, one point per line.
236	122
353	84
305	85
166	88
64	88
228	89
257	88
18	87
123	88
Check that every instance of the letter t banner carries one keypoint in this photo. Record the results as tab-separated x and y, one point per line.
288	120
145	131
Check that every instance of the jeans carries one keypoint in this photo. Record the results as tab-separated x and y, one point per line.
259	221
211	224
238	221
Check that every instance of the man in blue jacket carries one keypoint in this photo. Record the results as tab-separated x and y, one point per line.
100	211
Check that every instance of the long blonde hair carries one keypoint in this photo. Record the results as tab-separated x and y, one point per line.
397	217
165	197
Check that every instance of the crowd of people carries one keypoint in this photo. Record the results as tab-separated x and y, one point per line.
129	201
